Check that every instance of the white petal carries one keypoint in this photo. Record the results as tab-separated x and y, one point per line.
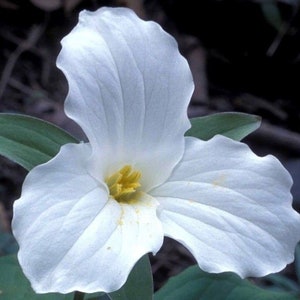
129	89
230	208
71	235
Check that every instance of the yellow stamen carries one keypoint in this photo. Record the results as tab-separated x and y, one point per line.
123	184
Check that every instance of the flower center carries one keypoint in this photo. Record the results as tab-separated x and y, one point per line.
123	184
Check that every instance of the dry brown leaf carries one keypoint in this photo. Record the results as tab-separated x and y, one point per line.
4	225
8	4
47	5
136	5
50	5
70	4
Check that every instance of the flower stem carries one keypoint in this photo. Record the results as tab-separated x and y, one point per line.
78	296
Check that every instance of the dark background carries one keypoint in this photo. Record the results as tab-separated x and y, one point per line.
244	56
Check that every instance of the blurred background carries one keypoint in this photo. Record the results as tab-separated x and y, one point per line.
244	56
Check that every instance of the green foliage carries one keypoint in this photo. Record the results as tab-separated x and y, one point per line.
194	284
272	13
139	284
231	124
280	282
8	244
30	141
14	285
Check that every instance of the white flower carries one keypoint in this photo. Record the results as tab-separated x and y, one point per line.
86	217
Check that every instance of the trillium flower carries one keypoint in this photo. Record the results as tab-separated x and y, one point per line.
86	217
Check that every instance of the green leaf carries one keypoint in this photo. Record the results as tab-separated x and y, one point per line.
139	284
30	141
272	13
100	297
8	244
14	285
194	284
297	262
231	124
283	283
97	296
